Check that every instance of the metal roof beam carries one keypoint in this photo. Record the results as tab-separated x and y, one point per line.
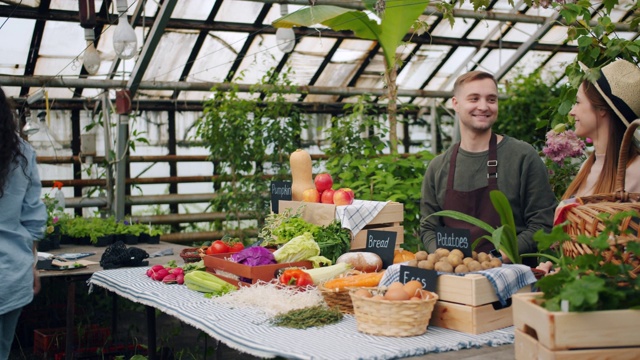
8	80
424	39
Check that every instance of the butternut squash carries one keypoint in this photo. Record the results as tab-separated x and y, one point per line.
301	173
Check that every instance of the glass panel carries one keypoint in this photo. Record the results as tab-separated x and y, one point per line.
15	52
230	11
195	10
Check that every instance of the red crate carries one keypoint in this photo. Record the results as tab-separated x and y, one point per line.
47	342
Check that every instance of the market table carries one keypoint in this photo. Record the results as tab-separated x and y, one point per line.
71	276
248	330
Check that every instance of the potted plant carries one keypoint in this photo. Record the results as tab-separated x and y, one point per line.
504	237
588	302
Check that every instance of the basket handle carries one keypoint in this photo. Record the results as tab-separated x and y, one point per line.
622	160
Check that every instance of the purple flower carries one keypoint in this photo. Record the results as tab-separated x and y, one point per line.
55	219
563	145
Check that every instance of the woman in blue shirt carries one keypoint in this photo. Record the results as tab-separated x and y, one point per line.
22	220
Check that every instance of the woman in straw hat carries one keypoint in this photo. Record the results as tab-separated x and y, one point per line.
603	111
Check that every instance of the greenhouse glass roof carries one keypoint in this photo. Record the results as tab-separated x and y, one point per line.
197	44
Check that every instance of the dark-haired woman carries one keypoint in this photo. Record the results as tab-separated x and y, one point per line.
22	220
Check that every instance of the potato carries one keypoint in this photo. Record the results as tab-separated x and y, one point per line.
413	262
461	269
443	266
474	255
457	252
486	265
474	266
482	257
442	252
495	262
433	257
426	264
454	259
467	260
421	255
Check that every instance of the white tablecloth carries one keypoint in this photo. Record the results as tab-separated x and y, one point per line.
248	329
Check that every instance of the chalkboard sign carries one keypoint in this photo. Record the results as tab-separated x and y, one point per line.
454	238
280	190
428	278
382	243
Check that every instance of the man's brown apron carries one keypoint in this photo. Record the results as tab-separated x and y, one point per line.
476	203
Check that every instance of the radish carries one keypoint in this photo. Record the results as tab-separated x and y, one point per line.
160	274
180	278
169	279
157	267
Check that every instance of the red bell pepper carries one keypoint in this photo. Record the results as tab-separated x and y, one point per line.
295	277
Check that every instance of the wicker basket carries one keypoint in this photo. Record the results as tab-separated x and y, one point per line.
583	219
396	318
191	255
337	298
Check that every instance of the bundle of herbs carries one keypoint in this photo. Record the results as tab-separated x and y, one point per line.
314	316
603	280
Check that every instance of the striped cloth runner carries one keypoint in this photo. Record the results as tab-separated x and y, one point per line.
248	330
506	280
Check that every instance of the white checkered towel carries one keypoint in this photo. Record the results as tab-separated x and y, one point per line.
506	280
357	215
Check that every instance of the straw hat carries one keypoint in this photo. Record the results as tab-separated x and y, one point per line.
619	84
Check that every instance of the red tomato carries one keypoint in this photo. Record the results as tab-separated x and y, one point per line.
218	247
236	247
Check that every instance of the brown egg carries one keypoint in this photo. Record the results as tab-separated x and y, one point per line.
378	297
363	292
395	285
412	287
396	294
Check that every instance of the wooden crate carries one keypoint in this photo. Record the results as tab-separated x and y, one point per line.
528	348
470	319
467	304
471	289
251	274
390	218
573	330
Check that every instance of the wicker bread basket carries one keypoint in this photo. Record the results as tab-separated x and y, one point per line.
191	255
337	298
396	318
584	220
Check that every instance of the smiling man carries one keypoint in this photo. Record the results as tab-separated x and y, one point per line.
462	177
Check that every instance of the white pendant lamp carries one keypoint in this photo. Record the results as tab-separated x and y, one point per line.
125	41
91	58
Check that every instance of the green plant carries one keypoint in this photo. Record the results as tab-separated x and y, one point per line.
504	237
358	161
588	282
249	139
395	22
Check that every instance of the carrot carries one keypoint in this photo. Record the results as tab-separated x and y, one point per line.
360	280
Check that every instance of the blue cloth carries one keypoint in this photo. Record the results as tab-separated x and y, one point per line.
506	280
248	330
22	219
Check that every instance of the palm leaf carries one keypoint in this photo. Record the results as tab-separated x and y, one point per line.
395	22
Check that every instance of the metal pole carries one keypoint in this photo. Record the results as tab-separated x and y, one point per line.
121	164
106	122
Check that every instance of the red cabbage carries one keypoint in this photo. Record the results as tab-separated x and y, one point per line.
254	256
